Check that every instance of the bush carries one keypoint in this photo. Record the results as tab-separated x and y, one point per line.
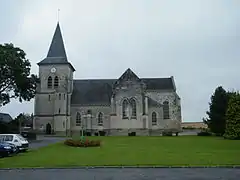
204	133
132	134
167	133
102	133
88	134
82	143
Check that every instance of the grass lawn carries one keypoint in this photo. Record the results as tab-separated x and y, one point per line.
162	151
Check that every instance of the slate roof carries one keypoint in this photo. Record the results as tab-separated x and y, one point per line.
4	117
57	48
56	53
99	91
92	92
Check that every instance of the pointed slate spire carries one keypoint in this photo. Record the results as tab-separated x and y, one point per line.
57	48
56	53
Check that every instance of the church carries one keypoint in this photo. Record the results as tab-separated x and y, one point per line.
125	106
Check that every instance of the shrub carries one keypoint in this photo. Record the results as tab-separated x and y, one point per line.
132	134
167	133
96	134
88	134
82	143
102	133
204	133
233	117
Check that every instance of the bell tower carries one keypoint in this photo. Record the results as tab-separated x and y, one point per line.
52	100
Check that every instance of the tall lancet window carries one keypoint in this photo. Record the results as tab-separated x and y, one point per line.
78	119
166	110
154	118
49	82
124	109
56	82
133	108
100	119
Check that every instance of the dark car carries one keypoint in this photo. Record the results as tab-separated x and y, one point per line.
7	149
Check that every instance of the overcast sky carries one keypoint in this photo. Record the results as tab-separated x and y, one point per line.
196	41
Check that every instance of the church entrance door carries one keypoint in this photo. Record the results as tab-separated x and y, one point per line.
48	128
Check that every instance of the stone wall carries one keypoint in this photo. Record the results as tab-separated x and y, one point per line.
172	98
90	123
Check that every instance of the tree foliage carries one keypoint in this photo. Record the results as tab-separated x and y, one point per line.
24	119
15	78
216	120
233	117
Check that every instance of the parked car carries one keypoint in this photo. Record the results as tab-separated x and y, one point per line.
15	139
7	149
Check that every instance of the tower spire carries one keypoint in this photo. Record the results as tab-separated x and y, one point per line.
57	48
56	53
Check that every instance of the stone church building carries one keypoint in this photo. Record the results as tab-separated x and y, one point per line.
124	106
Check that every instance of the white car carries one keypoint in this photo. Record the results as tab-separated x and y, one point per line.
16	139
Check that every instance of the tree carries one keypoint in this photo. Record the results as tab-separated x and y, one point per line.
20	121
15	78
216	120
233	117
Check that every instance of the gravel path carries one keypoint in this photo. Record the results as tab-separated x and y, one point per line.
123	174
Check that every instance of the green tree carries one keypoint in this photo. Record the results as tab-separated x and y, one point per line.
20	121
233	117
15	78
216	120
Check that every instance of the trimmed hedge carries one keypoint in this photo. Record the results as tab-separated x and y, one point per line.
102	133
82	143
167	134
132	134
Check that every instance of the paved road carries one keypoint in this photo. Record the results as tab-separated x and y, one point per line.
45	141
123	174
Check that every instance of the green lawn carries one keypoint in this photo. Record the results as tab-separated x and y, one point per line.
162	151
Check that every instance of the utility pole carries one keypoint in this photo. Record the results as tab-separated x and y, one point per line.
20	120
20	125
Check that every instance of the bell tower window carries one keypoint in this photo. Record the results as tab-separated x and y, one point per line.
49	82
56	82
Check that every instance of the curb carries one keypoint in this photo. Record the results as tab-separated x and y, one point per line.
125	167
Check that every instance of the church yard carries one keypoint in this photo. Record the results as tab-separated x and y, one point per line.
133	151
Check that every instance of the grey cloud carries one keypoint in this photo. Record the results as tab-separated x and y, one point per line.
195	41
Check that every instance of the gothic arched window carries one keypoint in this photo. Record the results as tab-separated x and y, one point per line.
124	109
165	110
56	82
100	119
134	108
78	119
154	118
49	82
